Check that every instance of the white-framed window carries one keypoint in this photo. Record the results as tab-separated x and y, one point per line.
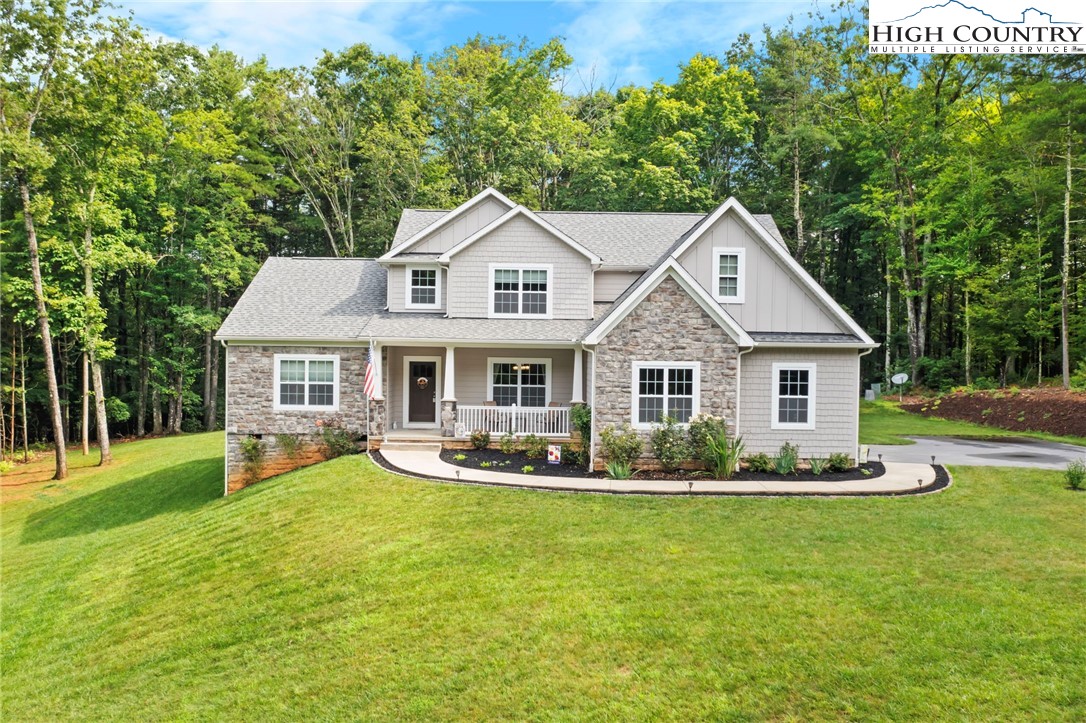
307	381
662	389
793	396
729	272
423	287
523	382
519	290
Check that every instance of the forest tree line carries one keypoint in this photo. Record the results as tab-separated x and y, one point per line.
939	199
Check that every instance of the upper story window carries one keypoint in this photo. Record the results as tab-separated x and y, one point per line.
728	265
423	288
665	389
520	290
307	381
793	396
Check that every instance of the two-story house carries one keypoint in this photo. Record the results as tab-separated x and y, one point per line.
492	316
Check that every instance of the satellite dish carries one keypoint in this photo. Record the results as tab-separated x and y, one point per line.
900	378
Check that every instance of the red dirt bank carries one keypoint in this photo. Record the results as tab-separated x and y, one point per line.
1055	411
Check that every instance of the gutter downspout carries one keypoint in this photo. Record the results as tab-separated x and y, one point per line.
863	353
226	421
592	407
739	385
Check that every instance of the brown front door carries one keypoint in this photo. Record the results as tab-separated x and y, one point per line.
422	392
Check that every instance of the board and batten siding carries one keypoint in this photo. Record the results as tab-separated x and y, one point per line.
444	238
774	300
397	288
837	400
609	285
520	241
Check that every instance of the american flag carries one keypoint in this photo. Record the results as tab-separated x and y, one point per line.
371	375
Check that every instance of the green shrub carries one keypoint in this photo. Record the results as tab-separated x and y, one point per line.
618	470
839	462
759	463
289	444
527	469
580	416
787	458
117	410
252	454
723	454
623	446
535	447
669	444
1076	474
460	457
6	465
1078	377
336	440
703	427
508	443
480	439
571	455
484	465
818	464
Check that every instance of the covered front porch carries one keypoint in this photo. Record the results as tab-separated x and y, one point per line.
453	390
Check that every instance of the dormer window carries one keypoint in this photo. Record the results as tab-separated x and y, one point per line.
423	288
728	265
520	290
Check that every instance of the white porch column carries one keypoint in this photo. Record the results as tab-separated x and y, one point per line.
378	372
449	394
578	377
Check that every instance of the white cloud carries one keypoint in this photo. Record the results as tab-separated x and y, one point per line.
295	32
616	43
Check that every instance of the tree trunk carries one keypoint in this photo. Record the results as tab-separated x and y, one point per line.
55	413
209	421
797	209
968	343
22	391
1065	269
105	455
141	402
91	334
213	407
889	324
85	425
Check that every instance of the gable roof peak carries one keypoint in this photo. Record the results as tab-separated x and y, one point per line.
487	193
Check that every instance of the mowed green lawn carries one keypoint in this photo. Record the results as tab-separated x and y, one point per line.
340	591
884	422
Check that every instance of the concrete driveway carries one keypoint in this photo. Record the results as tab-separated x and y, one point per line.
1004	452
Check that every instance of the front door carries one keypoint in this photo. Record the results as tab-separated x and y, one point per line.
422	393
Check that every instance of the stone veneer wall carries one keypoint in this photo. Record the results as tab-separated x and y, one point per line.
667	326
250	408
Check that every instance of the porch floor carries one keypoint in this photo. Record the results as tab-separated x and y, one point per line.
899	478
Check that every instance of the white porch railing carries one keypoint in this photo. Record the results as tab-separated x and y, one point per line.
541	421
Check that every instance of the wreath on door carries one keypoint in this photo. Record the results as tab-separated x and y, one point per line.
422	382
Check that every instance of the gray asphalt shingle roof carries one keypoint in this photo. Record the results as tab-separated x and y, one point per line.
803	337
307	298
332	299
619	239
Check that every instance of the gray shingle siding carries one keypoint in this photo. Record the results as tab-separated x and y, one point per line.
520	241
837	394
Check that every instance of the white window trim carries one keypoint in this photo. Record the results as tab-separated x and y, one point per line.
407	303
635	388
492	360
740	287
334	358
549	268
812	392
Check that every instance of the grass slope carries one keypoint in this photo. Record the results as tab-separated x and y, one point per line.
341	591
884	422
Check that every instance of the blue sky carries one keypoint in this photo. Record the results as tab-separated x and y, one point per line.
612	43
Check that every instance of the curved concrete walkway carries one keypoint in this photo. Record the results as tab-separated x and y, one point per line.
994	452
424	461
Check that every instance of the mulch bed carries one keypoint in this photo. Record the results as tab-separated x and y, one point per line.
1055	411
513	463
